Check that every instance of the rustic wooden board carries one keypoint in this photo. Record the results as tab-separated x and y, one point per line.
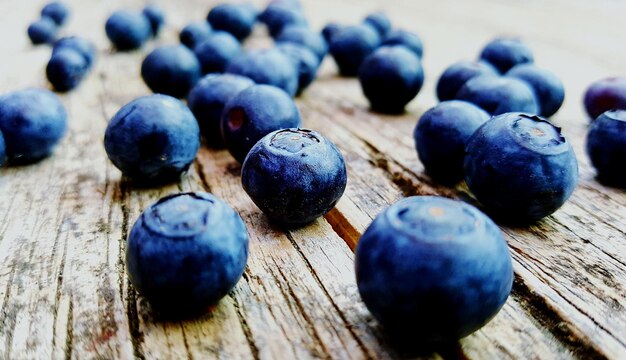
64	221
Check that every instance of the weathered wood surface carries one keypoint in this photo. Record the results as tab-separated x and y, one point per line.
63	222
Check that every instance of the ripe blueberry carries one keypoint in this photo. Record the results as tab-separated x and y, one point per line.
171	70
605	94
56	11
128	30
520	167
66	69
42	31
186	252
433	269
195	33
606	147
254	113
441	136
330	30
306	37
351	45
152	139
505	53
457	74
294	175
267	66
380	22
33	121
217	51
236	19
304	60
155	16
498	95
279	15
77	43
3	150
405	38
548	88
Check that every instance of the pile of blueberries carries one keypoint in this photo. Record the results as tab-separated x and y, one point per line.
428	268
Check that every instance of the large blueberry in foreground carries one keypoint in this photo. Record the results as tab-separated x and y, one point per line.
207	100
441	136
294	175
33	121
433	269
156	17
505	53
304	60
171	70
153	139
351	45
186	252
194	33
499	95
457	74
254	113
306	37
267	66
217	51
66	69
56	11
606	147
77	43
236	19
42	31
548	88
391	77
128	30
405	38
606	94
3	150
520	167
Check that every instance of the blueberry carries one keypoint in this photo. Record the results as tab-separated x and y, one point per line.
279	15
433	269
217	51
391	77
56	11
66	69
171	70
267	66
405	38
351	45
33	121
441	136
207	100
254	113
195	33
42	31
236	19
520	167
3	150
498	95
305	37
294	175
380	22
606	147
457	74
548	88
156	17
127	30
505	53
330	30
605	94
304	60
77	43
186	252
153	139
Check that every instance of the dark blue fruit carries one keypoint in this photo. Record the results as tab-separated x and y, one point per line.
254	113
156	17
351	45
520	167
171	70
605	94
238	20
330	30
304	60
380	22
195	33
128	30
405	38
441	136
153	139
267	66
606	147
56	11
217	51
391	77
3	150
433	270
294	175
66	69
279	15
42	31
548	88
186	252
499	95
33	121
306	37
505	53
77	43
457	74
207	100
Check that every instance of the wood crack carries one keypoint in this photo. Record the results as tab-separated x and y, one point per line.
244	325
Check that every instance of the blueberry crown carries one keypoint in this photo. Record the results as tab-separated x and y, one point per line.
180	215
538	134
294	140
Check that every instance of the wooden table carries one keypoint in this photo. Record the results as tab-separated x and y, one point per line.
64	221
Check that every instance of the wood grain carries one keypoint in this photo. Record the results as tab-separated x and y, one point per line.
64	292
